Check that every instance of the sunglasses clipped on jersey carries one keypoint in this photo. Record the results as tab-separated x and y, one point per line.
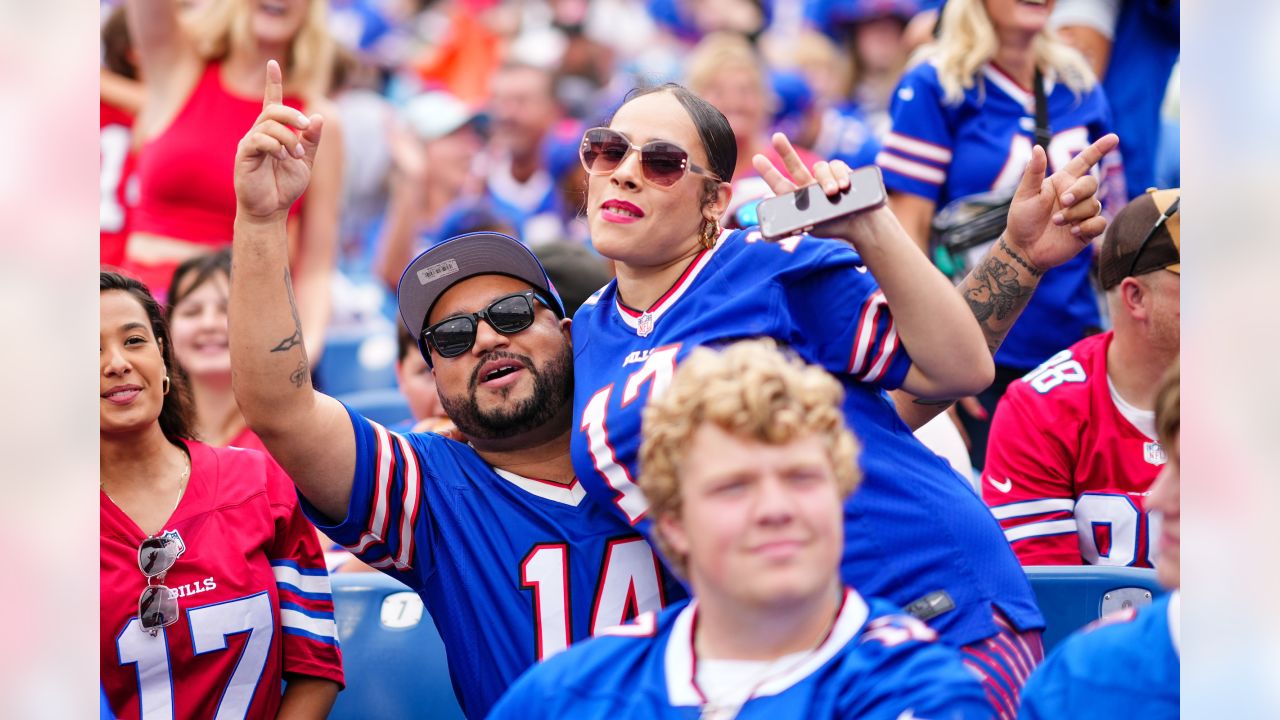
455	335
662	163
158	604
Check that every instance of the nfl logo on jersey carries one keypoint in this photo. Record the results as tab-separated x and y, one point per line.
174	536
1154	454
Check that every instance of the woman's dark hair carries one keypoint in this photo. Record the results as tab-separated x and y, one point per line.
202	267
175	413
713	127
117	44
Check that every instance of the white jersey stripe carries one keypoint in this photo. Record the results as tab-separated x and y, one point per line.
1040	529
866	332
919	148
409	508
657	312
381	493
1032	507
886	353
910	168
324	627
306	583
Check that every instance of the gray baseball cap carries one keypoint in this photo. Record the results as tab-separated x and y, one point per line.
483	253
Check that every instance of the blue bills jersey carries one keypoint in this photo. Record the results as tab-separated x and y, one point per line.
945	152
1125	665
512	569
914	527
874	664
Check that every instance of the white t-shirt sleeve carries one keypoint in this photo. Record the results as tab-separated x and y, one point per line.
1097	14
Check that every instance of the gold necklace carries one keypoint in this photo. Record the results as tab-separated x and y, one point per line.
182	482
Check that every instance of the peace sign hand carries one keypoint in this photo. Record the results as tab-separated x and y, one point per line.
1052	219
273	161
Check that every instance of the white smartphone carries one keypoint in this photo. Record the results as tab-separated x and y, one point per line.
808	207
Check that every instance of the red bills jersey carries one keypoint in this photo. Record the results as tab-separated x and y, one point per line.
253	596
1066	471
115	138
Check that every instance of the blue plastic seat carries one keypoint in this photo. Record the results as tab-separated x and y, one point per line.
1072	596
356	359
385	407
392	655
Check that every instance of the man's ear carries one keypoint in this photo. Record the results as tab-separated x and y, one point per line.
1133	293
671	526
566	328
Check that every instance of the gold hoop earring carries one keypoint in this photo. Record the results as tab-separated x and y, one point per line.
164	386
710	233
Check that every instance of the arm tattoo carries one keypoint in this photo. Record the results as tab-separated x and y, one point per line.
301	375
993	290
944	403
1035	272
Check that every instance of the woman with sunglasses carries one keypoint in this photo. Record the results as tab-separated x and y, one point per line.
878	318
213	587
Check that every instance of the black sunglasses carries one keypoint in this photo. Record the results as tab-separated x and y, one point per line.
158	605
661	163
1160	221
454	336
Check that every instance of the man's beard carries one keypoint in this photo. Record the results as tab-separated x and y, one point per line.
552	392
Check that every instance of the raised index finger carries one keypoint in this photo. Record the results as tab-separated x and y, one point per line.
274	94
1080	164
795	166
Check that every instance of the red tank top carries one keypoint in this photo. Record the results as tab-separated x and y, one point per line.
185	175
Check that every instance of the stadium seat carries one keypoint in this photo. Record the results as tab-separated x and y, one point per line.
1072	596
386	407
356	360
392	655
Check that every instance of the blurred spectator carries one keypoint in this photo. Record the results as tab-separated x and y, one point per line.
566	218
1128	664
120	98
1133	46
692	20
1074	446
830	126
726	71
586	65
417	383
204	81
366	161
576	271
522	109
872	33
434	146
964	124
467	54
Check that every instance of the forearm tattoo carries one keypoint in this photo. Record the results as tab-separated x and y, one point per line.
1035	272
301	374
993	290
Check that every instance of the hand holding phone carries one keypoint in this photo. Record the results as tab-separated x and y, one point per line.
810	206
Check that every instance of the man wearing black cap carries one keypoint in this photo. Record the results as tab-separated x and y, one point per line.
494	533
1073	443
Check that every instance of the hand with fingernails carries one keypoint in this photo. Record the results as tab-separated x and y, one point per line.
274	159
1051	219
833	176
